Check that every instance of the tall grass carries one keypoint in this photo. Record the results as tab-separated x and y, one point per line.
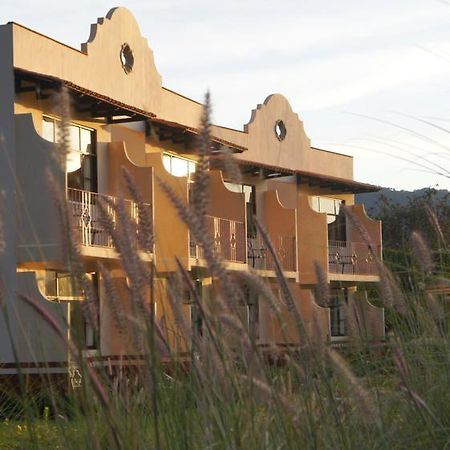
229	392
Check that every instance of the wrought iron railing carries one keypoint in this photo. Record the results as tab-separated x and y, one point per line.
352	258
228	239
259	256
85	209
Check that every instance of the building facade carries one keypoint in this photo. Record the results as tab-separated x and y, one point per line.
122	116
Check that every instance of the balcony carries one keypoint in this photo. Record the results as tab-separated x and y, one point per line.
228	240
84	206
352	258
285	247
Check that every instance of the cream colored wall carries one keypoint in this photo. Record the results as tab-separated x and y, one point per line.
171	233
283	328
224	203
278	220
39	181
312	240
98	68
365	229
294	151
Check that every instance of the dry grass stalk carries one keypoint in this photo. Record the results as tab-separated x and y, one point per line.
270	394
145	230
422	252
435	308
72	255
176	295
361	396
391	294
436	225
194	215
284	287
76	354
112	297
362	230
254	282
200	187
2	230
322	288
401	363
231	168
122	233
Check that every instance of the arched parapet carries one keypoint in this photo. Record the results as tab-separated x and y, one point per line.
40	177
121	57
312	233
276	135
171	233
316	317
116	62
319	327
364	229
281	226
122	337
277	217
226	221
365	320
224	202
142	175
37	343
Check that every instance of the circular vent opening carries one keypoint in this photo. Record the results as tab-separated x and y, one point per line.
280	130
126	58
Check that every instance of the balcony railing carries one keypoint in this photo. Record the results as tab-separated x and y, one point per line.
351	258
85	209
259	256
228	240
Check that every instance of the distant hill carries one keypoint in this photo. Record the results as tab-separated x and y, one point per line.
370	200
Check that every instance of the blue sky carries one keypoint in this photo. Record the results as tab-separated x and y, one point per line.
368	78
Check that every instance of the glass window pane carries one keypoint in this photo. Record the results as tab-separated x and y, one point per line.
48	129
247	191
50	283
179	167
327	205
315	204
74	137
67	287
192	166
73	160
167	163
233	187
85	140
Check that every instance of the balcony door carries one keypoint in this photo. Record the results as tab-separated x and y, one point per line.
81	157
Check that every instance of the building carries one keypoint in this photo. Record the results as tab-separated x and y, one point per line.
123	116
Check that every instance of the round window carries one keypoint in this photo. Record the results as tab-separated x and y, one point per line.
280	130
126	58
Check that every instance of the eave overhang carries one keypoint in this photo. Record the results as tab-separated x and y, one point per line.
97	106
339	185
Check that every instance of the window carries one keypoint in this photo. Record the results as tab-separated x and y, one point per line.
81	159
179	167
337	230
195	313
339	297
62	286
280	130
126	58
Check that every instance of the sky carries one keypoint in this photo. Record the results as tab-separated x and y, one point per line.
369	78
